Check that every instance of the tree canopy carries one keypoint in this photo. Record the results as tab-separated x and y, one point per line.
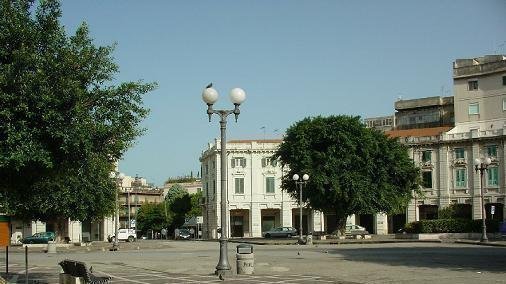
176	191
152	217
352	169
63	123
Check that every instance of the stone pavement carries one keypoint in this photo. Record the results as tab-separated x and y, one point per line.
193	261
128	274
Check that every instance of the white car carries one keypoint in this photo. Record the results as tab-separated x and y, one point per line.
128	235
355	230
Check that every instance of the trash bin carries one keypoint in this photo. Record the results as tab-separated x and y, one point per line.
309	239
51	247
245	259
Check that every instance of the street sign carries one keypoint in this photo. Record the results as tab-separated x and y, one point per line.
200	219
492	209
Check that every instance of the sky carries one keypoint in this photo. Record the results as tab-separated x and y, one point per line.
294	59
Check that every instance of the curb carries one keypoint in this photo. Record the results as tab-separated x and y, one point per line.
478	243
337	242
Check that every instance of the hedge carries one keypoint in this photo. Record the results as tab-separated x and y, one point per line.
450	226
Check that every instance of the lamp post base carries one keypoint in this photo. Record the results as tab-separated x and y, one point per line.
223	268
115	247
484	239
301	241
222	273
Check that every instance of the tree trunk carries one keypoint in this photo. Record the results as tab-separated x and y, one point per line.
341	223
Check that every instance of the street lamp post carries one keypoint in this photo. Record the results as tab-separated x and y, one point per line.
128	205
118	178
304	180
210	96
481	165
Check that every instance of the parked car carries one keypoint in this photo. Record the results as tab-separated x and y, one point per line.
39	238
355	230
128	235
280	232
183	234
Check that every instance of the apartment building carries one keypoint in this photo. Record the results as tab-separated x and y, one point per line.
446	153
255	200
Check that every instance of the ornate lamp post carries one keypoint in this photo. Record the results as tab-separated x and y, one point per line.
118	178
304	180
210	96
481	165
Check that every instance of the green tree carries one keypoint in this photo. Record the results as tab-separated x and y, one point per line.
196	208
152	217
179	203
175	192
352	169
62	122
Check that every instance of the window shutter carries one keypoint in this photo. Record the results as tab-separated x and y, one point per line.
243	162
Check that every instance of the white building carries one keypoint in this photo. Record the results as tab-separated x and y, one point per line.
255	200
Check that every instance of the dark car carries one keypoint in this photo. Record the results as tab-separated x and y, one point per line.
280	232
39	238
183	234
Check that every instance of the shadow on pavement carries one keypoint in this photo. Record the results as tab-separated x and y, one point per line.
453	258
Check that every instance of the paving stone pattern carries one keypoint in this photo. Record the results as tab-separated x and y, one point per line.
124	275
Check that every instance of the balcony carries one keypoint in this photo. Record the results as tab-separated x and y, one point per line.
473	134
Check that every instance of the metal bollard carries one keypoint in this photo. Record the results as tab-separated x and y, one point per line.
245	259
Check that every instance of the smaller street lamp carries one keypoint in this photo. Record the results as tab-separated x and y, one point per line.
118	178
481	165
304	180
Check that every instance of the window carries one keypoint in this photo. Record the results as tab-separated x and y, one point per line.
459	153
269	161
460	177
474	108
269	185
503	104
239	185
207	169
427	179
504	80
238	162
492	150
426	156
493	176
472	85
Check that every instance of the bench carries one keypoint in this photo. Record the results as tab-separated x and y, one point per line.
76	269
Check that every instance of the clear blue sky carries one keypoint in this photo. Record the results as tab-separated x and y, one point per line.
293	58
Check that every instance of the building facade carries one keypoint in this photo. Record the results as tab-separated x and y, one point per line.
446	154
134	192
255	200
